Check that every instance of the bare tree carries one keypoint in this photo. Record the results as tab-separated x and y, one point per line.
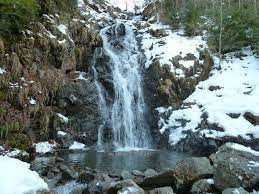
220	33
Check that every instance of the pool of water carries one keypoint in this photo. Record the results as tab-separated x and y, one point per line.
115	162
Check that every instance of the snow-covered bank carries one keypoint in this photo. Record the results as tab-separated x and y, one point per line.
17	178
224	99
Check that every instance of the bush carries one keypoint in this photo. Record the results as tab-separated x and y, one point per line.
16	14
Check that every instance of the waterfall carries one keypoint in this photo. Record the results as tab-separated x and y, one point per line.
102	104
127	112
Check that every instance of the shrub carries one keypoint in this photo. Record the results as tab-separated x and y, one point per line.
240	29
16	14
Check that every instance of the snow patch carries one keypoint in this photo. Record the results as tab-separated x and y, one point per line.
16	177
44	147
77	146
32	101
242	148
63	118
61	133
2	71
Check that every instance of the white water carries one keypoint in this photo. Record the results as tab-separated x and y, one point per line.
102	107
127	113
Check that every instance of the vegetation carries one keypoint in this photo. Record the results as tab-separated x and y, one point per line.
240	21
16	14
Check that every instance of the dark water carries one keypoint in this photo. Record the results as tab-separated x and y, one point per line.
115	162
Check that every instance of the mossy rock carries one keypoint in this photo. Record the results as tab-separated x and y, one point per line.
19	141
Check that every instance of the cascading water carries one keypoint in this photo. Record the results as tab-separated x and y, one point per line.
127	112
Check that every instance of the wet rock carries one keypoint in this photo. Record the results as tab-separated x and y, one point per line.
150	173
126	175
235	167
162	190
116	186
131	190
190	170
80	101
117	30
239	190
203	186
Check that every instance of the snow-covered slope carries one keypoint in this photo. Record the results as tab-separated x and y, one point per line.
225	97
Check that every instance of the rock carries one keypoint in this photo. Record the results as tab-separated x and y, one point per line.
80	101
190	170
131	190
116	186
126	175
150	172
213	88
162	190
239	190
138	173
235	166
253	119
68	172
86	177
203	186
163	179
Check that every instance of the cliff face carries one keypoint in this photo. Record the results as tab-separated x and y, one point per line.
36	64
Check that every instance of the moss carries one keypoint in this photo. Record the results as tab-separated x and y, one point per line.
3	95
19	141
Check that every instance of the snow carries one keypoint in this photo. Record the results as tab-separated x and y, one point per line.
62	28
44	147
238	93
210	181
127	5
172	44
62	133
32	101
16	177
242	148
2	71
14	153
253	164
81	76
77	146
62	41
63	118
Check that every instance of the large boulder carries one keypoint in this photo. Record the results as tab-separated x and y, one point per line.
190	170
160	180
162	190
150	172
235	166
